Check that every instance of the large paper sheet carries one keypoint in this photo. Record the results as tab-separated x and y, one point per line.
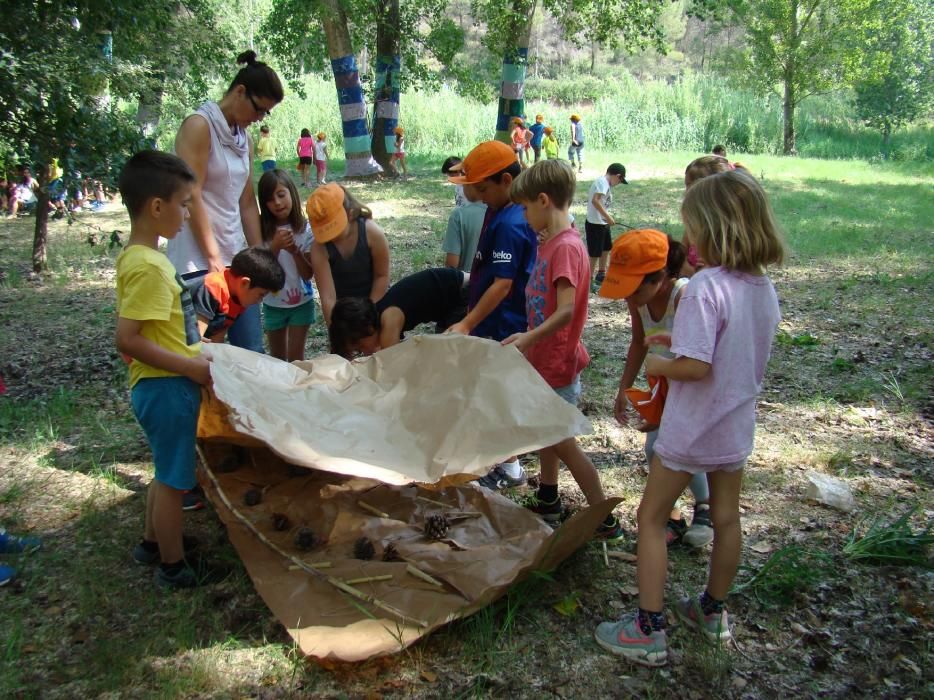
427	409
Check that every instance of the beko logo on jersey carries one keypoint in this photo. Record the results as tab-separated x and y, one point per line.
501	256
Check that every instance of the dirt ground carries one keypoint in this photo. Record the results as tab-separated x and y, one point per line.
848	393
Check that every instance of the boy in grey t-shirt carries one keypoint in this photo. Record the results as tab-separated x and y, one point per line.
598	223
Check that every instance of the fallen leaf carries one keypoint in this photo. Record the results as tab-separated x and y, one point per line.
429	676
798	628
629	590
568	605
762	547
623	556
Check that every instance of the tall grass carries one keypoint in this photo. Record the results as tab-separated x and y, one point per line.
620	114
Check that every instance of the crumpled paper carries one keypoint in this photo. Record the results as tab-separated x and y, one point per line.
426	409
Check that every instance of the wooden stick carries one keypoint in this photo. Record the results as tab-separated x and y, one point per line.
463	515
418	573
428	500
606	557
313	565
369	579
625	556
337	583
374	511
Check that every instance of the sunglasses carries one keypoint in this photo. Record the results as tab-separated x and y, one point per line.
259	110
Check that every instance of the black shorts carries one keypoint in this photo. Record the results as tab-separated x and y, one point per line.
305	160
599	240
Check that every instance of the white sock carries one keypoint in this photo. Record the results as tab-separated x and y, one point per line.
513	468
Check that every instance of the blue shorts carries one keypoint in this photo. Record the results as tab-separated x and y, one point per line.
269	165
572	392
167	408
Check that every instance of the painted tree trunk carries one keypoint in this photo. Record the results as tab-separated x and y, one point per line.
386	95
512	88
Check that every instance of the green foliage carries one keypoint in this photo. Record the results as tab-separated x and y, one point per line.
879	542
787	573
898	86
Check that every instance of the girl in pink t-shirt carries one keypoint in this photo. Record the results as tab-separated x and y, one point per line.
721	342
305	148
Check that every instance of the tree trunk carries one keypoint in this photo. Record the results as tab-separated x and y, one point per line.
886	139
40	239
788	144
512	88
593	55
149	109
359	160
386	95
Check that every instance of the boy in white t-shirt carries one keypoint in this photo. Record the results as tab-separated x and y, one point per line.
599	221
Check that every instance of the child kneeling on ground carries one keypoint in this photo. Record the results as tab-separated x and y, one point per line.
557	297
157	329
721	342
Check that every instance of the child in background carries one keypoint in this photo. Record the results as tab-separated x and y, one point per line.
698	168
360	327
557	295
598	223
220	297
305	148
288	313
550	143
399	154
721	341
321	158
537	130
518	138
452	166
350	253
527	137
576	146
266	150
719	150
645	268
157	329
504	259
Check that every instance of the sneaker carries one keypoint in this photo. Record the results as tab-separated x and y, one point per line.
701	531
610	533
191	575
9	544
498	479
191	500
7	574
600	276
549	511
674	531
716	626
626	638
143	555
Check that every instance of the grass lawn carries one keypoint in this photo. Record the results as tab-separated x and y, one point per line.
848	393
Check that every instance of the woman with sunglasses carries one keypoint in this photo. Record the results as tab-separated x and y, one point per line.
224	215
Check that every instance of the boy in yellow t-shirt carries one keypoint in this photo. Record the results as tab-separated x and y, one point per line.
157	329
266	150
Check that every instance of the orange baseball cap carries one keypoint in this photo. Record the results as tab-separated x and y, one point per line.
634	255
485	160
326	213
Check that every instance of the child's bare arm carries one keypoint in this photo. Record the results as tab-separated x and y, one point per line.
379	251
131	342
682	369
322	273
562	316
597	201
491	298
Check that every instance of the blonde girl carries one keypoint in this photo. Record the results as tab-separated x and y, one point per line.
399	155
288	313
721	342
350	254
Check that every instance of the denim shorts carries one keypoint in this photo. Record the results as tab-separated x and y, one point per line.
702	468
275	318
167	408
572	392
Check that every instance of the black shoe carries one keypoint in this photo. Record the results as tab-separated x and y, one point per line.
149	555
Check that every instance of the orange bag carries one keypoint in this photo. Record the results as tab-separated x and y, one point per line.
651	403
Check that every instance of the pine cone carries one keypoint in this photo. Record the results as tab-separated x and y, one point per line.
252	497
280	522
390	553
305	539
436	526
364	549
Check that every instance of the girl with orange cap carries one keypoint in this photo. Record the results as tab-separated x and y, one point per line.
321	157
518	138
550	143
537	130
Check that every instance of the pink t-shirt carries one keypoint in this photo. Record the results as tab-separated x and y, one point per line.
728	319
560	357
306	146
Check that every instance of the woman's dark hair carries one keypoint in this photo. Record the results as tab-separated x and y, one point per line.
352	319
306	133
449	163
266	189
676	257
259	79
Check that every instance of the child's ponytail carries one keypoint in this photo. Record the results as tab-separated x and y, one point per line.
677	254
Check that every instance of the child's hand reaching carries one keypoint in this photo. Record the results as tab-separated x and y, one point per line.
520	341
200	370
627	415
283	239
655	365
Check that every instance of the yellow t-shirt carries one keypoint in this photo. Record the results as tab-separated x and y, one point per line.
55	170
265	149
149	290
